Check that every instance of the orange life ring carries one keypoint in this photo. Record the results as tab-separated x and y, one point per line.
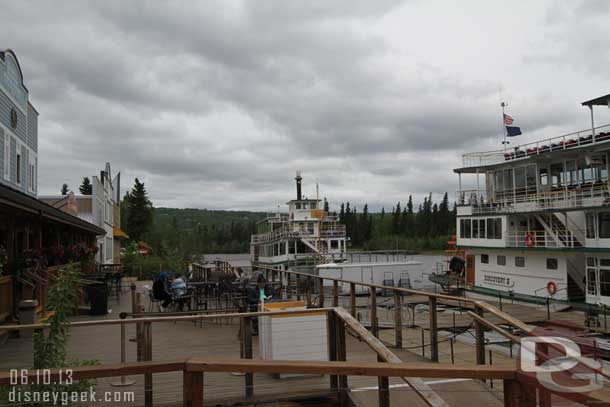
529	239
551	287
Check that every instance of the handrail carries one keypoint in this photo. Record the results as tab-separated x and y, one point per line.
198	364
535	147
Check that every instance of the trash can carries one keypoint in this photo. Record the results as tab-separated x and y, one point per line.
98	298
27	315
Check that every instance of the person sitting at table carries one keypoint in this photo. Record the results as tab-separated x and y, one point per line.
162	290
179	289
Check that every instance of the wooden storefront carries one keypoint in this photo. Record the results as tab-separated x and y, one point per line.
35	237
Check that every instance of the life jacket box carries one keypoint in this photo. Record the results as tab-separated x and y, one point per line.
298	336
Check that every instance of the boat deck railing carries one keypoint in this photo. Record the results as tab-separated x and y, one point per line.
564	142
582	196
287	232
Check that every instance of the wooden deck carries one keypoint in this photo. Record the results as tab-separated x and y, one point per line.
215	340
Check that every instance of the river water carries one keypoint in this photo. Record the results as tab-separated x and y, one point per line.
418	273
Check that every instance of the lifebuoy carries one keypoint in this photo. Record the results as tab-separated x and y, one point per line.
551	287
529	239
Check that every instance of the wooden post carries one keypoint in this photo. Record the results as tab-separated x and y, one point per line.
373	310
398	318
335	293
192	385
147	354
384	391
321	295
433	329
297	280
352	299
480	338
341	356
288	284
518	395
308	292
249	378
331	320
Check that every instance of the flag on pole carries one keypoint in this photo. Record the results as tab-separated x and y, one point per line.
512	131
507	120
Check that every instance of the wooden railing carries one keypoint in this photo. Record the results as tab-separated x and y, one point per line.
6	297
518	388
193	370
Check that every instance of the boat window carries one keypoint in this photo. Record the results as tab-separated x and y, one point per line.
485	258
530	179
604	282
520	180
551	264
603	225
501	260
481	228
304	205
519	261
475	228
465	229
590	226
297	205
557	176
498	228
591	281
571	178
490	228
544	179
334	244
312	205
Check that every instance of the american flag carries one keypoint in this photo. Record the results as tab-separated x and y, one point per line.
508	120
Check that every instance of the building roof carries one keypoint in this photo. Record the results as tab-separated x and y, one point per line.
19	200
599	101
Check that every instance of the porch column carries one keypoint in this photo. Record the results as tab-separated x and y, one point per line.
592	122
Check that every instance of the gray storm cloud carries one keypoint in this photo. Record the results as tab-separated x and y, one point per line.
215	105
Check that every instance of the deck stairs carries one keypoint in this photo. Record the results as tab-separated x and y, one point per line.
561	235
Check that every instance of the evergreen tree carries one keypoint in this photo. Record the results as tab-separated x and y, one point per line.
139	212
382	213
64	189
326	208
342	214
396	219
85	187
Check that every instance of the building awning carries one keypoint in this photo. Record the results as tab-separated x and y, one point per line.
118	233
18	200
600	101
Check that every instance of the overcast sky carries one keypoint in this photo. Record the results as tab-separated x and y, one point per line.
215	104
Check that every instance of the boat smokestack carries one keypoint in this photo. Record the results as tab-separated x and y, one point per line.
298	178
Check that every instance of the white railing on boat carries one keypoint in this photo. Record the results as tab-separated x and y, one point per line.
542	239
326	231
566	141
481	203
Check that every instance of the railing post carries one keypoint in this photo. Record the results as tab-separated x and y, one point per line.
341	356
147	356
384	391
398	318
192	389
308	291
331	323
433	329
321	295
249	377
335	293
373	314
480	338
288	285
297	284
352	299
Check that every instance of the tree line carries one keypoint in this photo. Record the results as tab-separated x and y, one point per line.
405	227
